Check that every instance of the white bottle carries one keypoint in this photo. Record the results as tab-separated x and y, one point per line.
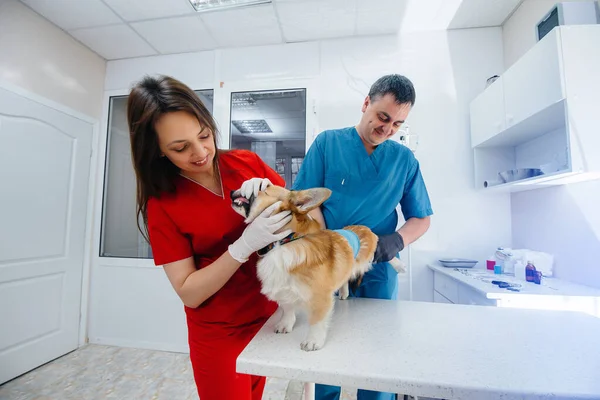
519	268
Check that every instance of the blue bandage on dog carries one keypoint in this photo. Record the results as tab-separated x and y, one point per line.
352	239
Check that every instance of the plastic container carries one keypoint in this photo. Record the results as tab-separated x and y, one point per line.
500	257
504	257
490	264
520	271
509	265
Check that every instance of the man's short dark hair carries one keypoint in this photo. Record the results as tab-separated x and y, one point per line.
398	86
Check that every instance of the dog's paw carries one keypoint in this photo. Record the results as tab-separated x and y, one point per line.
286	323
344	291
282	327
315	338
311	345
398	265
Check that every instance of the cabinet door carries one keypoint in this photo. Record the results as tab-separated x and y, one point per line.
445	286
487	113
534	82
469	296
581	57
438	298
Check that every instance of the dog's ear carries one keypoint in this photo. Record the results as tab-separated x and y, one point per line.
306	200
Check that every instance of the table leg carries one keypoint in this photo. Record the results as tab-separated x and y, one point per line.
309	391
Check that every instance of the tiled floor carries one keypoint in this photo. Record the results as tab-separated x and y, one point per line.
105	372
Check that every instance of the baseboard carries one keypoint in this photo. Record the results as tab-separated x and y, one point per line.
138	344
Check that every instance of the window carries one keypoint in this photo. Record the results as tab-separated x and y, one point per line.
120	236
273	125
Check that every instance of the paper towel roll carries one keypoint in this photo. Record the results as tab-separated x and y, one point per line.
492	183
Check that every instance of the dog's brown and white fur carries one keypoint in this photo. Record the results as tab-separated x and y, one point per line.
306	272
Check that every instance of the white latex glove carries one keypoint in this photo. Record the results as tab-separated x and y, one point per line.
253	186
260	233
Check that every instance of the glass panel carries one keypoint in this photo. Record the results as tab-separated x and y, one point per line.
273	125
120	236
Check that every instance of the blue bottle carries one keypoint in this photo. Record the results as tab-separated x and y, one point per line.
530	272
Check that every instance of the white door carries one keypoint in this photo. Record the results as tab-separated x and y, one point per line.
44	176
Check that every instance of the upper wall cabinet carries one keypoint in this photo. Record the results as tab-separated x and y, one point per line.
539	123
488	116
534	82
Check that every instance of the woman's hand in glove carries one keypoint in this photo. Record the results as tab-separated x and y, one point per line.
261	232
253	186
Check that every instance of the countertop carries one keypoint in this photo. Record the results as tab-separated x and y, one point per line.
480	279
439	350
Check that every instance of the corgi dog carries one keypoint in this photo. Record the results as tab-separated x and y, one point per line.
304	270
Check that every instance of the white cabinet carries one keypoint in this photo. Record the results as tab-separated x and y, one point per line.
439	298
474	287
487	113
469	296
542	114
445	286
582	77
449	290
534	83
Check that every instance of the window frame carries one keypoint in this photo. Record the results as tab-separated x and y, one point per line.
272	90
101	181
221	113
227	89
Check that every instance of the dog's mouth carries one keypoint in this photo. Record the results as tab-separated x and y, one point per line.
241	204
240	201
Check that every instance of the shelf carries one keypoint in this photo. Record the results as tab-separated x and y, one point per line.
525	184
542	113
540	123
538	182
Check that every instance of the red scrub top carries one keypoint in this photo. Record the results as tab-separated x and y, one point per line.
193	221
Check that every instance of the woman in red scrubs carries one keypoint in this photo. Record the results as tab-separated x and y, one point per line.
206	250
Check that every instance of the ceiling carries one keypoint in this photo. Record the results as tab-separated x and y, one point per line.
117	29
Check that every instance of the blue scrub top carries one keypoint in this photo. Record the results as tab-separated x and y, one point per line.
365	188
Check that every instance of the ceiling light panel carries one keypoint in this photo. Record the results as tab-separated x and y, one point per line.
252	126
243	101
213	5
287	94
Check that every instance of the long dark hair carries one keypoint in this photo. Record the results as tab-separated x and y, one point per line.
148	101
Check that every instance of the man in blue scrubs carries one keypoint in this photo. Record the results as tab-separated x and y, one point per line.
369	176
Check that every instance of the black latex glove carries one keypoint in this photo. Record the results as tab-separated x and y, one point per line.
387	247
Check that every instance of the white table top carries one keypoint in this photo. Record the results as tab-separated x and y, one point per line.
480	280
439	350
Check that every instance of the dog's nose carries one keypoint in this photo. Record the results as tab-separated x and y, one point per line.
231	193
